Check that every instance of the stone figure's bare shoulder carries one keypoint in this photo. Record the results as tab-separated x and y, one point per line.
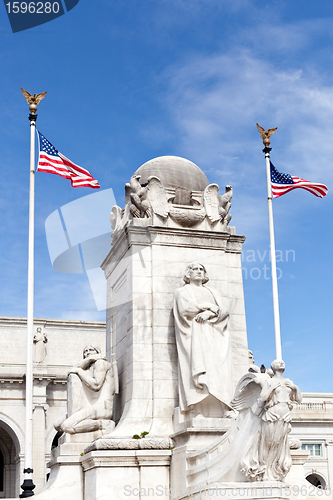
102	364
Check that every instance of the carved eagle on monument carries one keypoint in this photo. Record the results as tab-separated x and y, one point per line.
141	201
217	206
144	199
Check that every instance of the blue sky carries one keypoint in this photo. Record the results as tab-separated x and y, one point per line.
129	81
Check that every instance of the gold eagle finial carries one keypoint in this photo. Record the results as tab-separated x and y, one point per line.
266	134
33	100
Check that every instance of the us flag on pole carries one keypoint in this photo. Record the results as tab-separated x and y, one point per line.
283	183
53	162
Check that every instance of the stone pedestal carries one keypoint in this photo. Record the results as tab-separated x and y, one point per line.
238	491
120	474
66	476
102	475
190	436
144	268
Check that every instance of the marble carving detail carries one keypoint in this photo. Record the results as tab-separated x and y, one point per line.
217	206
92	385
202	338
148	443
40	339
269	400
186	208
257	446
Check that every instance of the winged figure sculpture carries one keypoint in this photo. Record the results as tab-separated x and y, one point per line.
266	134
217	206
35	98
157	197
141	200
267	401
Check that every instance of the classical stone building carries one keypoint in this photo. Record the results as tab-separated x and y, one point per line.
58	345
312	419
312	424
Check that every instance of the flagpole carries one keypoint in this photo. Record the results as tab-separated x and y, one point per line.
265	136
28	484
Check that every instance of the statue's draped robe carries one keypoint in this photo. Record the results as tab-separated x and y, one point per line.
40	351
257	443
269	456
203	349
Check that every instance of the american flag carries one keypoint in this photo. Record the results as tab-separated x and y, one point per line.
53	162
283	183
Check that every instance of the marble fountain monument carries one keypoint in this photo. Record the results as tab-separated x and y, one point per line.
176	410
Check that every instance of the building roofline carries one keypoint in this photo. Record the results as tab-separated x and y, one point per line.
4	320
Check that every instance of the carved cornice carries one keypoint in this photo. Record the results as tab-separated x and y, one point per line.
7	379
45	379
44	406
8	320
299	457
135	233
125	458
151	443
118	461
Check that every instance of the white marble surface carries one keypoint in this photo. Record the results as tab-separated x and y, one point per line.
126	473
238	491
143	270
66	476
91	386
201	318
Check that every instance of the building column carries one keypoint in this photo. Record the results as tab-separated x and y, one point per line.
329	451
19	476
39	423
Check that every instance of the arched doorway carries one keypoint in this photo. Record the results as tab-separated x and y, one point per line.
2	472
316	480
9	462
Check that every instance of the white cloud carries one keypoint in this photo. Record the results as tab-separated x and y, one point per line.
215	102
289	39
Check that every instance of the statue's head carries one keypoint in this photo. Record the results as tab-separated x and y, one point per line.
192	269
89	350
278	365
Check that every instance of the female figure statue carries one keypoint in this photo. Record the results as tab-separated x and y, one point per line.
269	400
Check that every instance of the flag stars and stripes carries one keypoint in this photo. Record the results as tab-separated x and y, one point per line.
47	146
53	162
279	178
283	183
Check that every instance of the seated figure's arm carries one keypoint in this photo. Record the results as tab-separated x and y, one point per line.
96	381
84	364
